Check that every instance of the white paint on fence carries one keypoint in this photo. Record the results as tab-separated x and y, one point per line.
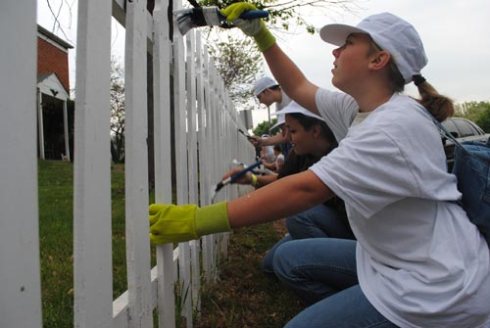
136	167
192	156
20	294
181	160
163	157
92	192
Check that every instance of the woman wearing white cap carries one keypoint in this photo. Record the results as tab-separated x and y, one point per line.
418	260
311	139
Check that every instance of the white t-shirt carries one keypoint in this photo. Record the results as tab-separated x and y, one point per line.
285	100
338	110
420	261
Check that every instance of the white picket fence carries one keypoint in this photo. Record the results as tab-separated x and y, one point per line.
206	140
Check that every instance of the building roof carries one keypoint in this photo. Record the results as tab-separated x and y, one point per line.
53	37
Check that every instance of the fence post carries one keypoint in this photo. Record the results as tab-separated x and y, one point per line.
162	52
181	165
92	191
192	148
20	293
136	168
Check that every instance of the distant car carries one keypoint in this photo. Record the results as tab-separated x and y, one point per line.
463	130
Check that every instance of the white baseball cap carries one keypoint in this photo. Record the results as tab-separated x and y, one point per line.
294	108
280	121
392	34
262	84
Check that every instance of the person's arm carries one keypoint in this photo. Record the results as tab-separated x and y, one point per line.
291	79
285	197
176	223
276	139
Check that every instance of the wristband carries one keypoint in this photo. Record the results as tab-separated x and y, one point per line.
254	180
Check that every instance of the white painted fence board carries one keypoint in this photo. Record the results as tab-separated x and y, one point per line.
92	203
207	161
181	163
19	242
163	159
192	155
118	12
136	168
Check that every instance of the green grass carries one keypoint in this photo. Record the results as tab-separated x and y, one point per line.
55	179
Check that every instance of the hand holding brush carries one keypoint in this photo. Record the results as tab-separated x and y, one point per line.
233	178
254	27
187	19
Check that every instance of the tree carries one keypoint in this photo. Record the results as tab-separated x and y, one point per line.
117	112
476	111
237	61
264	128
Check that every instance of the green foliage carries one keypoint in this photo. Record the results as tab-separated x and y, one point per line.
476	111
264	128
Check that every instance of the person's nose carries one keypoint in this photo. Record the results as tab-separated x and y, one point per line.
336	52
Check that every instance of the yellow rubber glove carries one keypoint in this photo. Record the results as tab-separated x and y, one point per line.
253	27
177	223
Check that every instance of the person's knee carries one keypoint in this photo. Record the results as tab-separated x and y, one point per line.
281	262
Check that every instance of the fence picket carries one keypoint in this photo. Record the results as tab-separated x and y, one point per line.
20	291
181	165
92	189
163	159
136	167
192	147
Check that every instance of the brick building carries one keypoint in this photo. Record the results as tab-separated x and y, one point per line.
55	109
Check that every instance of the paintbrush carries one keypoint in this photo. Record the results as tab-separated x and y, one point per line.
249	137
232	179
209	16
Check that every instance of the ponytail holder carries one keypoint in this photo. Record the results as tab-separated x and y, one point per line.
418	79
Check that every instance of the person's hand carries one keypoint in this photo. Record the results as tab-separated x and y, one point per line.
254	27
254	140
246	179
258	141
177	223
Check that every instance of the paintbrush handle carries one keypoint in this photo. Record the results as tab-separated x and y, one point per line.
238	175
253	14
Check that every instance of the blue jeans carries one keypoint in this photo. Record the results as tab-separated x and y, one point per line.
323	273
317	222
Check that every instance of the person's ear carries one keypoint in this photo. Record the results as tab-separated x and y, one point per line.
379	60
316	131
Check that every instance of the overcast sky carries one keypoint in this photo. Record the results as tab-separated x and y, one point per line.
454	32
